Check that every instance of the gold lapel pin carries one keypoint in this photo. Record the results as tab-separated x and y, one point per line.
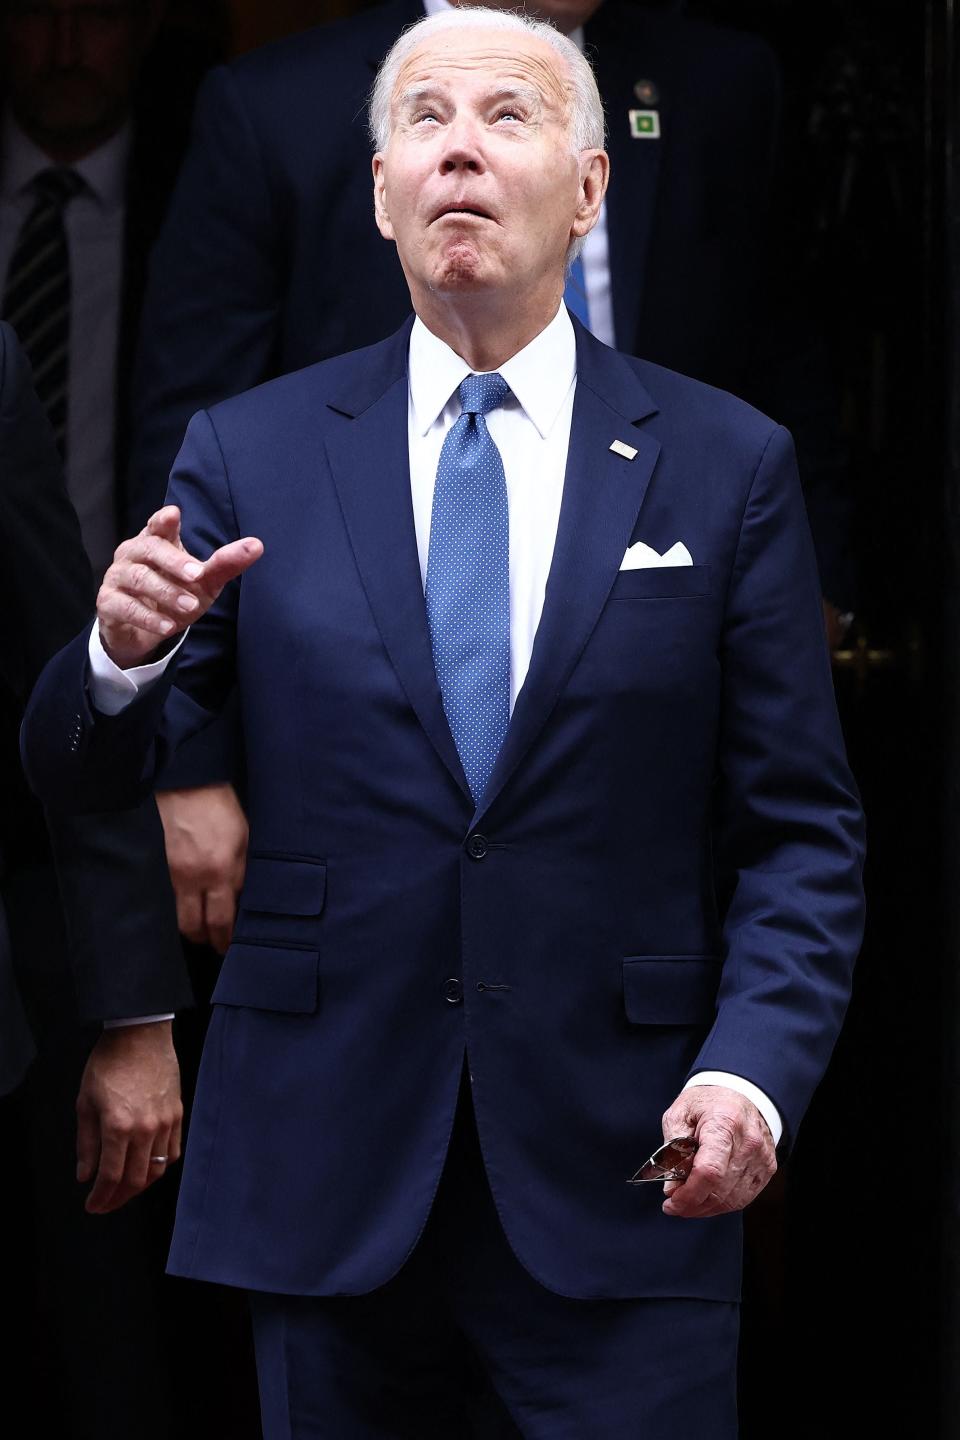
620	447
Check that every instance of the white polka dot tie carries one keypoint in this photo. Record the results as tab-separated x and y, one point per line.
468	582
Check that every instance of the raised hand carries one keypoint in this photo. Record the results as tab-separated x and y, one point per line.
155	589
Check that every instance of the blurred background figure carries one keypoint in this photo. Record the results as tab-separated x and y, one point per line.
90	141
95	103
102	948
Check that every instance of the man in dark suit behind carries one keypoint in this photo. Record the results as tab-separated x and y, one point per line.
95	104
117	922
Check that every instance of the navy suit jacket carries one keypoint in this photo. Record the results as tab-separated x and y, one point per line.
113	879
663	875
271	254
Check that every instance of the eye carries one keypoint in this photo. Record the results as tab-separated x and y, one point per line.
426	117
510	112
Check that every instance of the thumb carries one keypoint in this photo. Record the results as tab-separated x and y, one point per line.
228	562
165	523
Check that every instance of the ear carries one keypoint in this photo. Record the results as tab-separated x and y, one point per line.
594	178
380	198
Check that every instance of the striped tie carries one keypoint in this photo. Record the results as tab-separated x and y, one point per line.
37	299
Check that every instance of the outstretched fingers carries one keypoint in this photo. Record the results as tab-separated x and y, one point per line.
227	563
155	588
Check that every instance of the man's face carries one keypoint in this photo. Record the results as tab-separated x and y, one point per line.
478	184
71	65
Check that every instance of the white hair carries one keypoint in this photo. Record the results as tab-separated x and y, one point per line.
586	109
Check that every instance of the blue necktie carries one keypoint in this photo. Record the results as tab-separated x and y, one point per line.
468	582
575	292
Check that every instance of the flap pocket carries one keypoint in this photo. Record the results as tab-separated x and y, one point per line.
284	887
267	977
670	989
661	582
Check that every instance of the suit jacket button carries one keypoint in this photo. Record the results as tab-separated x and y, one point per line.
477	846
452	992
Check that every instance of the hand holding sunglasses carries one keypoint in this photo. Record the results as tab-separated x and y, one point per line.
720	1157
673	1161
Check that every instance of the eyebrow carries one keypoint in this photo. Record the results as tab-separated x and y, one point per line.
415	94
418	94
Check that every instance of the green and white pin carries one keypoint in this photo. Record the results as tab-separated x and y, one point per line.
645	124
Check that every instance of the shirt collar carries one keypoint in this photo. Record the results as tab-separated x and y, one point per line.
539	375
103	170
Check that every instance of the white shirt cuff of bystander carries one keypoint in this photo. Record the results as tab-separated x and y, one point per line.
136	1020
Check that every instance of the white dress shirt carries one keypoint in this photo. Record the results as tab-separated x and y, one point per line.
532	432
94	223
595	254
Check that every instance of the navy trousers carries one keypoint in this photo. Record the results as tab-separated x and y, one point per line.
401	1361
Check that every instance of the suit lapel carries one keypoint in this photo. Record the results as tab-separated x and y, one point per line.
634	168
602	495
366	446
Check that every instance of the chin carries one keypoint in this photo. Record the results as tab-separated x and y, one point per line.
459	266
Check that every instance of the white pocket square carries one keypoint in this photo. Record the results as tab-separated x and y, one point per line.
644	557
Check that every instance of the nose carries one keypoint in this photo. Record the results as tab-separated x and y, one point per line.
463	149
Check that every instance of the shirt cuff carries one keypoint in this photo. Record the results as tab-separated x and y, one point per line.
112	689
752	1092
136	1020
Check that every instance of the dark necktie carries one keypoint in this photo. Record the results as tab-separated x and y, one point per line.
37	298
468	582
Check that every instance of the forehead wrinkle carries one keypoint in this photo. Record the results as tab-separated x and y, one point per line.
537	68
414	94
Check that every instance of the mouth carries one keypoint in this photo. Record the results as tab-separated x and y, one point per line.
459	209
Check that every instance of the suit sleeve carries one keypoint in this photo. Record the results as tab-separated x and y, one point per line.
788	833
118	905
78	760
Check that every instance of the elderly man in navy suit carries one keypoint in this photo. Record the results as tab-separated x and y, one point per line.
553	843
268	251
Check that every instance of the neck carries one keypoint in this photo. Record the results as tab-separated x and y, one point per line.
68	149
486	330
